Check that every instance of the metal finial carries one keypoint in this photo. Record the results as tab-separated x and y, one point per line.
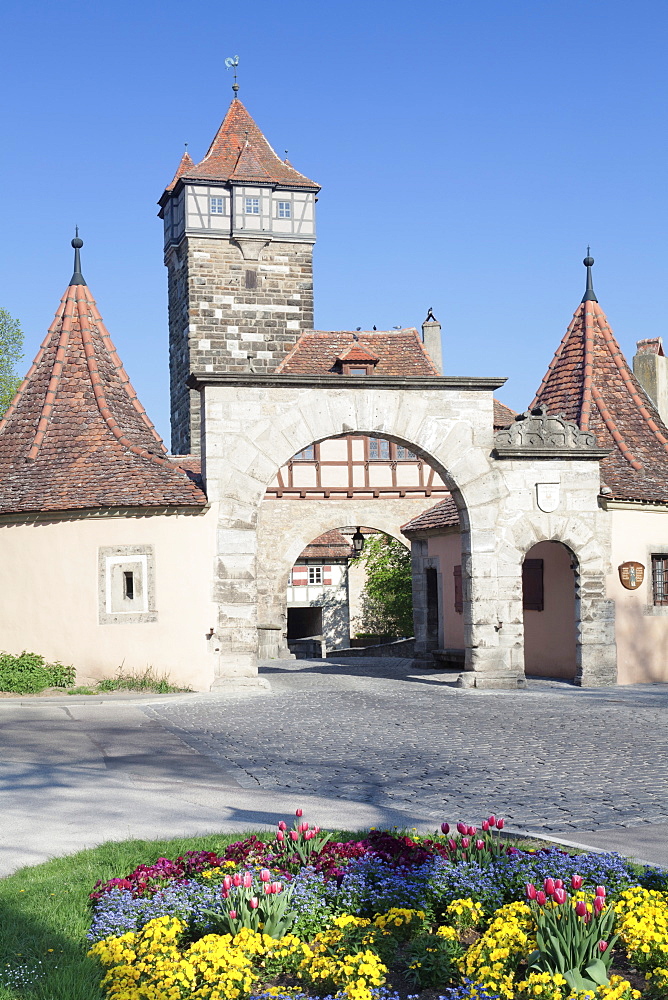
590	294
231	63
77	277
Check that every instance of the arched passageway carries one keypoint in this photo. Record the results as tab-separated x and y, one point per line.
549	602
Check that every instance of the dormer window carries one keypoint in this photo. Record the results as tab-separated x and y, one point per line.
356	360
217	206
357	369
252	206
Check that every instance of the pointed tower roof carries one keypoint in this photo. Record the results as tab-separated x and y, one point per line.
240	152
590	383
185	165
75	435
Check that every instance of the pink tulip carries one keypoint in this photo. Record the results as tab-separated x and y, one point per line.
302	827
267	888
224	893
558	884
280	836
294	835
485	826
559	896
277	886
462	828
541	898
227	882
531	890
600	891
316	829
233	914
472	830
479	845
602	946
492	820
247	880
253	902
587	917
581	908
265	875
282	825
549	886
452	844
299	813
599	903
309	835
236	879
500	823
465	842
445	829
576	881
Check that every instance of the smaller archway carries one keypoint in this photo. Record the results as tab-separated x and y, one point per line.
549	601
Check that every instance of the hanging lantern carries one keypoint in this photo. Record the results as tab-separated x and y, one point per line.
358	543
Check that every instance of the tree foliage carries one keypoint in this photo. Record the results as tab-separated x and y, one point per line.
11	352
387	598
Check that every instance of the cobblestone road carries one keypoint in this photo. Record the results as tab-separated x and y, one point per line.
553	758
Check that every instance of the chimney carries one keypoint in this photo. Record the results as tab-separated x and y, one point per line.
650	367
431	338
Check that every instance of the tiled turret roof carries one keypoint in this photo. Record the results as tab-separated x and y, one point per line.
400	353
240	152
75	435
590	383
185	164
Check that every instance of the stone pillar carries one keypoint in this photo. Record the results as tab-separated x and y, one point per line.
418	560
596	663
650	367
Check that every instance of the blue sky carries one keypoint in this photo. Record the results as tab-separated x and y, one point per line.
468	152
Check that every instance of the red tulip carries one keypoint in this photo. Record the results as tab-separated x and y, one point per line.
541	898
531	890
600	891
479	845
576	881
302	827
294	835
472	830
500	823
558	884
233	914
559	896
299	813
253	902
247	880
602	946
265	875
599	903
280	836
227	882
452	844
492	820
236	879
224	893
445	829
462	828
309	835
282	825
267	888
465	842
549	886
485	826
581	908
316	829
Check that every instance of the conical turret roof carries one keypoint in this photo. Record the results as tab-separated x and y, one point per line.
240	152
76	435
590	383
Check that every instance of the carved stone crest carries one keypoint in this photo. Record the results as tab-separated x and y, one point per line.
547	496
539	434
631	574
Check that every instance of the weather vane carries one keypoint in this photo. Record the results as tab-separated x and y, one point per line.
231	63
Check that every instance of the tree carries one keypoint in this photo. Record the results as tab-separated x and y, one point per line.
387	598
11	352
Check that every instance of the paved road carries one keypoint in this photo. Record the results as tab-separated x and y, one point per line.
355	743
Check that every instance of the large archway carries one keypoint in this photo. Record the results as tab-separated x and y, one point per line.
550	608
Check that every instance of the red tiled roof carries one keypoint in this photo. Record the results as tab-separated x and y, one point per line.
331	545
240	152
400	353
76	436
442	515
590	383
185	164
503	415
358	353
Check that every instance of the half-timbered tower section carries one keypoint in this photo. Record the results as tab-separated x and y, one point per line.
239	229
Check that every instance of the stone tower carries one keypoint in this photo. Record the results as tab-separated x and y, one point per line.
239	235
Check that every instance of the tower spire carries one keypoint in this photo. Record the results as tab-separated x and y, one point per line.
77	277
590	294
231	63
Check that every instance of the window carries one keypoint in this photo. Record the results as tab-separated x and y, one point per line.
379	450
217	206
660	578
284	210
252	206
357	371
306	455
403	454
126	589
315	574
459	593
129	585
532	585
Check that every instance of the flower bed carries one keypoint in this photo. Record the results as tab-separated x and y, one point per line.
466	914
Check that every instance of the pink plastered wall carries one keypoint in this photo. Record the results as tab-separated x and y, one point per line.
550	634
447	548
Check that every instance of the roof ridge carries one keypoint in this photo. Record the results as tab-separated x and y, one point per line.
56	372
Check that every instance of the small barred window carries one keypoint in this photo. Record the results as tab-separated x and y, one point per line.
379	450
660	578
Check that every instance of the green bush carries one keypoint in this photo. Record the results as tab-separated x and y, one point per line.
28	673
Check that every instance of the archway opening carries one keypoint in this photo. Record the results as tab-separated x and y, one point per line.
349	587
548	596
